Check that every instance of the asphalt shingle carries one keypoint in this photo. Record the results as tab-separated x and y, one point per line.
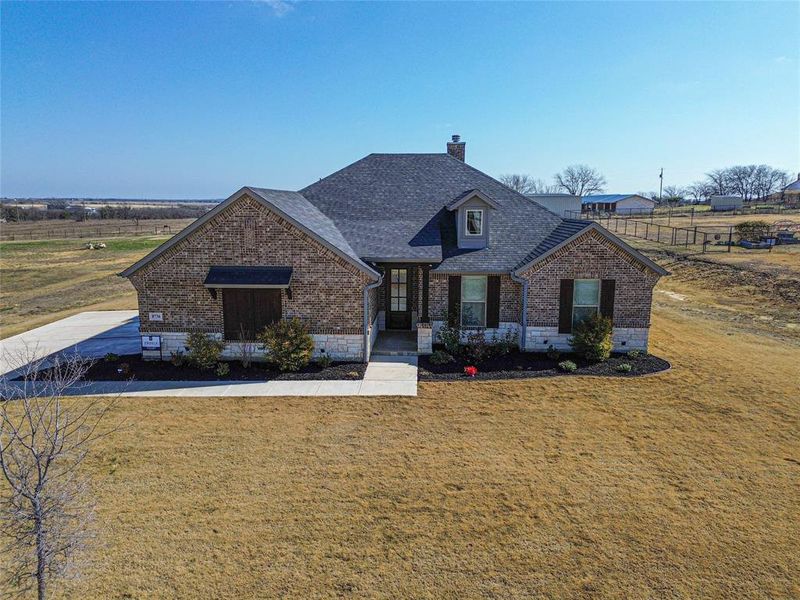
393	206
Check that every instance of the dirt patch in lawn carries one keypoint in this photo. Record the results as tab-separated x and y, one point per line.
132	366
519	365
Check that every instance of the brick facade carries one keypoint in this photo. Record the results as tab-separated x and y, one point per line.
510	298
591	256
326	290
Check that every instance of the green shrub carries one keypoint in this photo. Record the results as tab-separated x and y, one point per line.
440	357
111	357
324	360
552	353
624	368
450	336
223	369
506	343
567	366
591	338
287	344
204	351
478	348
634	354
752	231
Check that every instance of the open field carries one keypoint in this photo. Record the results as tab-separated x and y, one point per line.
43	281
678	485
682	484
93	229
711	219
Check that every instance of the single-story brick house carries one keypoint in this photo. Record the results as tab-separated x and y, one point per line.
397	242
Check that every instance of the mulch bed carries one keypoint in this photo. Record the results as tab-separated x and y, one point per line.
519	365
151	370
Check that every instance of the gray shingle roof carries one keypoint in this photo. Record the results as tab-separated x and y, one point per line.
393	206
305	213
563	232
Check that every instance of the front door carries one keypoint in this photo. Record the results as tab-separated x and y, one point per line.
398	301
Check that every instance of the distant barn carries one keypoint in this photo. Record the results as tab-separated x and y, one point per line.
625	204
726	203
564	205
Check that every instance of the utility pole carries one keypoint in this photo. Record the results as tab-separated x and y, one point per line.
660	184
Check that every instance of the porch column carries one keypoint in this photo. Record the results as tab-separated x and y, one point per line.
425	285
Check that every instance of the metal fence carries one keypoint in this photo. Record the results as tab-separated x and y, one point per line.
44	233
707	239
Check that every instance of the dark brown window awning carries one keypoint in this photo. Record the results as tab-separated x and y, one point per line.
248	277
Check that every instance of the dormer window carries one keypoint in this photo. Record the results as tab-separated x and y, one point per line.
473	218
474	221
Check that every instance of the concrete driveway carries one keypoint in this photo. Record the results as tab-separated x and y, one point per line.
92	334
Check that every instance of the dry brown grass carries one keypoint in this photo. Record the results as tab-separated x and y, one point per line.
678	485
92	229
43	281
683	484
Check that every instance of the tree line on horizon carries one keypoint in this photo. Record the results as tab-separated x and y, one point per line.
749	182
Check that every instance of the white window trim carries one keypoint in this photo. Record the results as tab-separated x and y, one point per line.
466	221
576	305
485	300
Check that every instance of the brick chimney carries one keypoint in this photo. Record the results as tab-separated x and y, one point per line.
455	148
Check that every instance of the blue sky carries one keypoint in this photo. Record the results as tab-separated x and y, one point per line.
191	100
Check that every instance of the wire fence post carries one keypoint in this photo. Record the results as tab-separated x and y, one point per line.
730	237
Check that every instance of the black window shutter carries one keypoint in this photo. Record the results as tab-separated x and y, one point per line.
493	301
565	306
454	299
607	287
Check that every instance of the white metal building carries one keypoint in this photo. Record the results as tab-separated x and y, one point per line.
726	202
564	205
625	204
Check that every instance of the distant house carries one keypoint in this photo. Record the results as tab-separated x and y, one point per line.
720	202
564	205
625	204
791	193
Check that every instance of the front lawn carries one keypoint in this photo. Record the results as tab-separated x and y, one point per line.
682	485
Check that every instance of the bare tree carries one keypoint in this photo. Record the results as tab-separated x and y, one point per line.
43	442
719	179
525	184
767	180
580	180
699	190
673	194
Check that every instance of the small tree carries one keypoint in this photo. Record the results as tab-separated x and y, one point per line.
591	338
43	442
287	344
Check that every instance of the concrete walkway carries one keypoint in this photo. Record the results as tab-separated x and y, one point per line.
95	334
385	376
92	334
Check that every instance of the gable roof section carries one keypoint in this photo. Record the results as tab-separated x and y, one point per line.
611	198
469	195
292	206
571	230
395	207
